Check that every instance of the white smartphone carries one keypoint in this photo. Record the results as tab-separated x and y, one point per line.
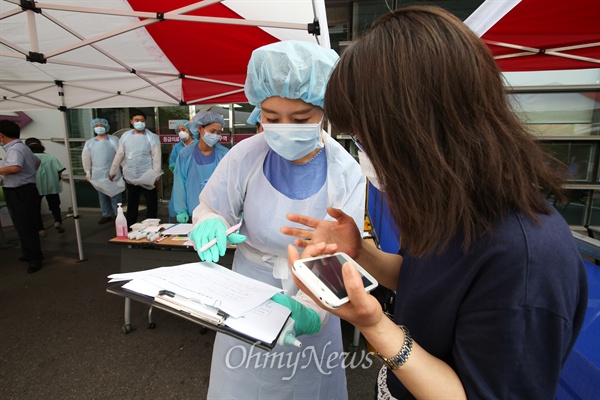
323	277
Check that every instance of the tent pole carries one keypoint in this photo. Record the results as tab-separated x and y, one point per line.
73	197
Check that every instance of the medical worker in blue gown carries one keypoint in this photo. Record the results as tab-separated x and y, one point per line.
97	156
196	164
293	165
183	130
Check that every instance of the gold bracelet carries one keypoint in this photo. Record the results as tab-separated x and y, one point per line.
399	359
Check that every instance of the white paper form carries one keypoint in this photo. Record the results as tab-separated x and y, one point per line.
262	323
127	276
209	283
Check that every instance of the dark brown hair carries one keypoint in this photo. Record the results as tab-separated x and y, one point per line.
426	99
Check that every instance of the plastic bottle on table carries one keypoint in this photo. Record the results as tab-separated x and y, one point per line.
121	223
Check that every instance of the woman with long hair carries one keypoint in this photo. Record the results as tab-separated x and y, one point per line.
490	287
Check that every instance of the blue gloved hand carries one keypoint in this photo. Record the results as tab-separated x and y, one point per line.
210	229
307	321
183	217
172	167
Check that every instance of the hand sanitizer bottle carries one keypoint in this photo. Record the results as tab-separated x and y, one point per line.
121	223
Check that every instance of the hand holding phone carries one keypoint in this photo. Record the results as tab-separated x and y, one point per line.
323	277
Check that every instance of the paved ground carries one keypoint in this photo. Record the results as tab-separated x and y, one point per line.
60	332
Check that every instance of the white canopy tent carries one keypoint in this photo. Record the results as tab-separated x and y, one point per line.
58	55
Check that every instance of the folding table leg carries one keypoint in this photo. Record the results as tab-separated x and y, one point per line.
151	325
126	328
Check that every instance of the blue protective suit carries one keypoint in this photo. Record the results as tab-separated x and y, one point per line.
173	160
176	149
239	185
192	171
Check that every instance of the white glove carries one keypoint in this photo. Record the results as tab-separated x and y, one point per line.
88	176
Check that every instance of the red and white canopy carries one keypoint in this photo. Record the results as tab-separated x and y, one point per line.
534	35
118	53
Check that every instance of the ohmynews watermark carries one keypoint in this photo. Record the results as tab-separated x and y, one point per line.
325	362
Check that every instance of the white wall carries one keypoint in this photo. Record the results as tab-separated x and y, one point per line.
45	125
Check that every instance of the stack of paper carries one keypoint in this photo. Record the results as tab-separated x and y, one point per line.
239	302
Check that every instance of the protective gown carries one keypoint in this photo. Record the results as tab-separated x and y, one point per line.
238	185
172	161
97	157
141	158
192	171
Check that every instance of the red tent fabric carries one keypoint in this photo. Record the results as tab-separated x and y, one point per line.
214	51
533	35
117	53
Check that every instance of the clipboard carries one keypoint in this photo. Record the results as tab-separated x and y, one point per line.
116	288
194	307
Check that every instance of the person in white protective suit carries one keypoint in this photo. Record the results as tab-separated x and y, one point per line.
97	156
293	166
139	152
196	164
183	128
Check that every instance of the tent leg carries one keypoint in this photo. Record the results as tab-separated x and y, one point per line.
73	197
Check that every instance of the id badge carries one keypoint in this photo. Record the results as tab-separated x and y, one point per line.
130	155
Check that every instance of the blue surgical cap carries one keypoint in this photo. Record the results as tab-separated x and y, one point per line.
183	122
205	118
254	117
290	69
102	121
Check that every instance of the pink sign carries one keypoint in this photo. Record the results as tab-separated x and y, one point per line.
174	139
169	139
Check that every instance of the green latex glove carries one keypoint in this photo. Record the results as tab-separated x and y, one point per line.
183	217
172	167
307	320
210	229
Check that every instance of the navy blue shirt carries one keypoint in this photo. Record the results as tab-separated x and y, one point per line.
505	314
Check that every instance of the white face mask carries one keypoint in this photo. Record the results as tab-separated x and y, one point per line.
367	169
100	130
184	136
293	141
211	138
139	126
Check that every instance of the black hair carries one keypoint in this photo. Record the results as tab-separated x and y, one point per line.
10	129
136	111
35	145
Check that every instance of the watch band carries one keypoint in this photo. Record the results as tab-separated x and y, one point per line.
399	359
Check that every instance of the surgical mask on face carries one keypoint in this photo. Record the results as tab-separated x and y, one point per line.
293	141
211	138
139	126
368	170
183	136
100	130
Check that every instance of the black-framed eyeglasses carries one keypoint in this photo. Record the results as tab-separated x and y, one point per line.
357	143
